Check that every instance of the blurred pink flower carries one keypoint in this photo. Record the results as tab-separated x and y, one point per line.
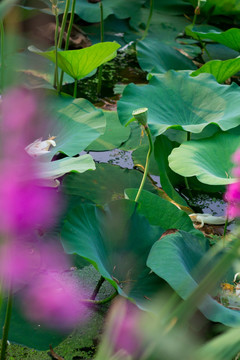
126	331
55	301
24	203
232	195
23	259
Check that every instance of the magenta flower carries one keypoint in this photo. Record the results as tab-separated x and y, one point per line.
126	332
25	204
55	300
232	195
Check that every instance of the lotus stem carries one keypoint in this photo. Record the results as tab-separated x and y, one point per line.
149	20
99	302
99	85
146	128
68	36
6	326
56	80
64	20
2	54
75	89
225	227
97	288
185	179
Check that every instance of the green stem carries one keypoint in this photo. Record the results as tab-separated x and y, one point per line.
225	227
56	80
68	36
146	128
185	179
99	85
75	89
194	19
2	55
64	20
100	302
149	20
6	326
97	288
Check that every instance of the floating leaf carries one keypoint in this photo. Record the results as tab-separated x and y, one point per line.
177	100
79	63
221	70
207	159
105	184
156	57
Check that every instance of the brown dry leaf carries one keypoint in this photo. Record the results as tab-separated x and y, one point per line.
54	355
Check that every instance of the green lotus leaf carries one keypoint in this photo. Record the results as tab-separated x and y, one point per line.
207	159
229	38
221	70
90	12
175	257
75	123
55	169
105	184
156	57
116	240
114	135
160	212
177	100
79	63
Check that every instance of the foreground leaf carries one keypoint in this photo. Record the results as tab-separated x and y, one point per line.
116	240
175	257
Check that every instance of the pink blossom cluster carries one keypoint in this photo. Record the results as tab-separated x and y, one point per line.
232	195
29	264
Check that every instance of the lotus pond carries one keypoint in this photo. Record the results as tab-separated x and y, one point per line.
120	179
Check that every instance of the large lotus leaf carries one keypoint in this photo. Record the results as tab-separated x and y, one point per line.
90	12
114	135
163	27
229	38
106	183
79	63
74	122
221	70
177	100
116	240
30	334
160	212
156	57
207	159
174	258
55	169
